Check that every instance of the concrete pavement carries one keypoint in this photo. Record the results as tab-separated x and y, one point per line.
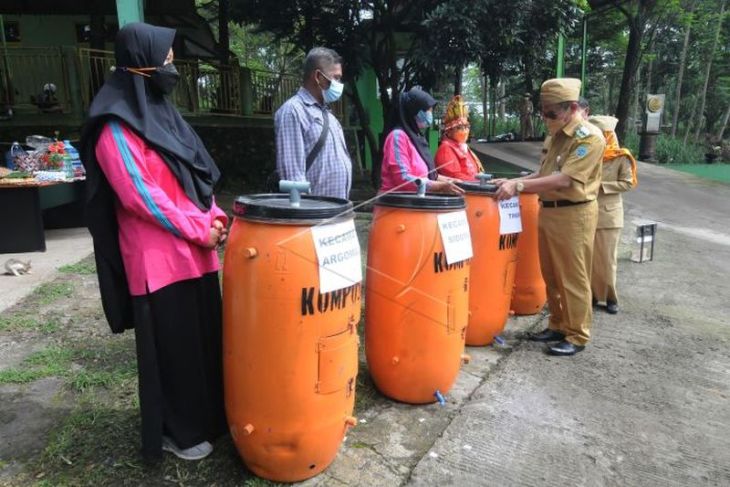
63	247
647	402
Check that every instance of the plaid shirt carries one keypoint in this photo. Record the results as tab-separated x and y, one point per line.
298	125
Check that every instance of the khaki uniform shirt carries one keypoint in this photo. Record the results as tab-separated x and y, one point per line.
576	150
617	179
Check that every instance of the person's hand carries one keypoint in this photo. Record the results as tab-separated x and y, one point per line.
213	238
222	230
498	181
441	177
507	189
445	187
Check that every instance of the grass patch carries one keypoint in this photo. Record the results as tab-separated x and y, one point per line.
49	292
716	172
97	366
84	380
104	365
29	323
668	150
98	445
53	361
366	394
85	267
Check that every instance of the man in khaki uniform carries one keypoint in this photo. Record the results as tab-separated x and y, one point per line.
568	184
619	175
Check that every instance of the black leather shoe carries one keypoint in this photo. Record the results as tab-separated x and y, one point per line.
565	348
594	302
546	335
611	308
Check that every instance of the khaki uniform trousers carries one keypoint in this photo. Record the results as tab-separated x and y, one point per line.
605	250
565	237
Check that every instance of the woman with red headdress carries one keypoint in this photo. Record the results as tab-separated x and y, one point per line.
454	158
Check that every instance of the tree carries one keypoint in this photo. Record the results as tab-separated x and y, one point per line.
376	33
713	50
450	43
637	13
680	74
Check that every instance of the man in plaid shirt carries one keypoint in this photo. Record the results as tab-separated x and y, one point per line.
298	125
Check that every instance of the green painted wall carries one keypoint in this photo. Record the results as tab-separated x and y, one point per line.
432	135
51	30
367	86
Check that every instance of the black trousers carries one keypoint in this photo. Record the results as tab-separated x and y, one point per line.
180	365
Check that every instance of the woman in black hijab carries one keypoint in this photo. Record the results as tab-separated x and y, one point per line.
407	158
155	225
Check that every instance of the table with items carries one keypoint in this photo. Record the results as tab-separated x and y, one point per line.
40	189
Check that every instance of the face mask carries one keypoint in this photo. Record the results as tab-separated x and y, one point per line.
461	136
164	78
334	92
424	119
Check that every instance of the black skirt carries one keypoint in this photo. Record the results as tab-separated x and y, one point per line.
179	359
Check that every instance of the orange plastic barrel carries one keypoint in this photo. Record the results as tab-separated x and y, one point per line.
290	352
529	295
492	267
416	304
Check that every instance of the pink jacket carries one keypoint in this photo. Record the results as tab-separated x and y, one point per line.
401	163
161	232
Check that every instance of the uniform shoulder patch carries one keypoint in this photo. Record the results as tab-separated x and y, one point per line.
581	151
582	132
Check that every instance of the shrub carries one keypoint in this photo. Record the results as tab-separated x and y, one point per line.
669	150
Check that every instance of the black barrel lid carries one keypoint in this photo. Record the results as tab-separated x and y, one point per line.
276	206
476	187
429	201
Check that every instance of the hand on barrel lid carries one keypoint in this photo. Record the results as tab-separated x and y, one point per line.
444	186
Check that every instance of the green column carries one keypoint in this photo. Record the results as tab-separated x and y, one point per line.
246	92
433	139
367	86
560	68
129	11
584	56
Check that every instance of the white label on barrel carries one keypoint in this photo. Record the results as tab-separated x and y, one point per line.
510	220
338	253
455	236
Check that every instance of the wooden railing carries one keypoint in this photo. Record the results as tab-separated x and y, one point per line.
205	88
94	68
25	71
270	91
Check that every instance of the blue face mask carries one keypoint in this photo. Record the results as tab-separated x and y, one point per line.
334	92
424	119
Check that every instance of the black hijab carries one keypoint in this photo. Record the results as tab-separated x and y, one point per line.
408	105
131	98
